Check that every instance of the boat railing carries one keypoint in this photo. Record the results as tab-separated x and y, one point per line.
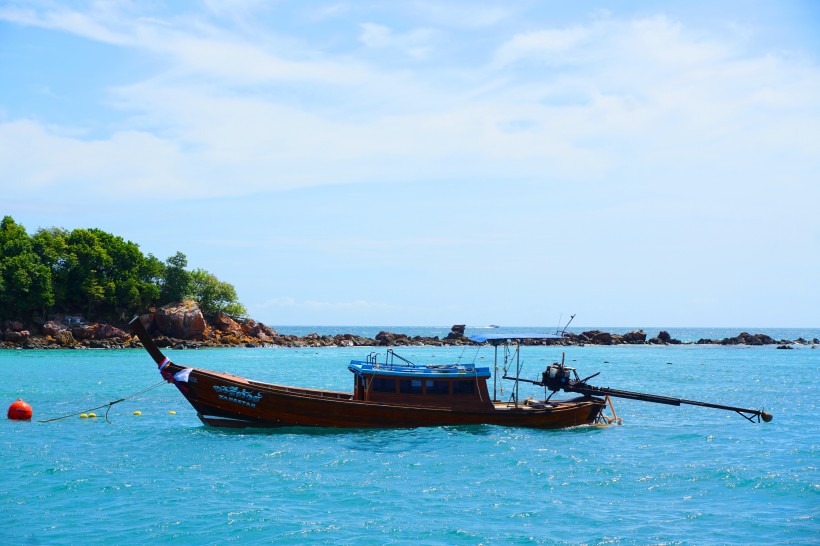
389	360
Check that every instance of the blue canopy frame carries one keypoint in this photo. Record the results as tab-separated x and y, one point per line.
499	339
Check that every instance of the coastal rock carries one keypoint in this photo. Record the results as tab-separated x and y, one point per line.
634	337
250	327
389	338
37	343
457	331
663	338
258	330
226	324
164	342
16	336
107	331
230	339
349	340
64	338
82	332
744	338
181	320
51	328
598	337
13	325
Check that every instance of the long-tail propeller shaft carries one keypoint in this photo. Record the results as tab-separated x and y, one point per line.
559	377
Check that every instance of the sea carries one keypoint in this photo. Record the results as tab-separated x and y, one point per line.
147	471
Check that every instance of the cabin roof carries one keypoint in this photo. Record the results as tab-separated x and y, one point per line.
454	371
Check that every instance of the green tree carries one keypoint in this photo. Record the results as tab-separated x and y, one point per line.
84	276
130	282
176	284
98	274
152	274
50	245
215	296
25	282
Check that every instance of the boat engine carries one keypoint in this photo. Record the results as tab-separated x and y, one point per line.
556	376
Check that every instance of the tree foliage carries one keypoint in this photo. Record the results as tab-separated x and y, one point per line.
25	282
214	296
100	275
176	284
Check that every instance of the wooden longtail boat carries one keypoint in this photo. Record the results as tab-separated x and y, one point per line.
393	394
390	394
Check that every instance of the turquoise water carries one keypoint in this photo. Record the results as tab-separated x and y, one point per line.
669	475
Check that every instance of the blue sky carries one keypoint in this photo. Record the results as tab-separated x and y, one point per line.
432	163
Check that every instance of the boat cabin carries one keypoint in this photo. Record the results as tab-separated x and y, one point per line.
451	386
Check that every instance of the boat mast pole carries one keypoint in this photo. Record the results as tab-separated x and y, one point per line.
517	368
495	371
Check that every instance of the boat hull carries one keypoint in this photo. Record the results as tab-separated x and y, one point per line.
225	400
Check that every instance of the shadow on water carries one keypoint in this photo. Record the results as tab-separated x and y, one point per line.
391	433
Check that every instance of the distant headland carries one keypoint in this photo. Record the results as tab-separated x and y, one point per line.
182	325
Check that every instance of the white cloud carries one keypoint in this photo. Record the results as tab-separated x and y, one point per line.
416	43
588	100
66	167
658	145
541	45
330	11
374	35
102	23
470	14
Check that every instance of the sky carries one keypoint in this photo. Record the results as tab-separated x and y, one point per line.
434	162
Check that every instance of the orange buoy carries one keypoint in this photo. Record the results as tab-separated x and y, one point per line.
20	411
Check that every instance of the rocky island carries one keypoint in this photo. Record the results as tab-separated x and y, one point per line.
182	325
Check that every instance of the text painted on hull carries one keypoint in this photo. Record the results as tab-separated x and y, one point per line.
238	395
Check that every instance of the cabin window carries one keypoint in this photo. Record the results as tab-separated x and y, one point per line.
463	387
410	386
383	384
437	387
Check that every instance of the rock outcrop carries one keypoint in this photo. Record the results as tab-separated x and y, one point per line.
744	338
182	325
597	337
16	336
185	323
258	330
182	320
634	337
226	324
51	328
663	338
64	338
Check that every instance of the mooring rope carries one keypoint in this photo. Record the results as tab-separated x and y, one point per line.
108	405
